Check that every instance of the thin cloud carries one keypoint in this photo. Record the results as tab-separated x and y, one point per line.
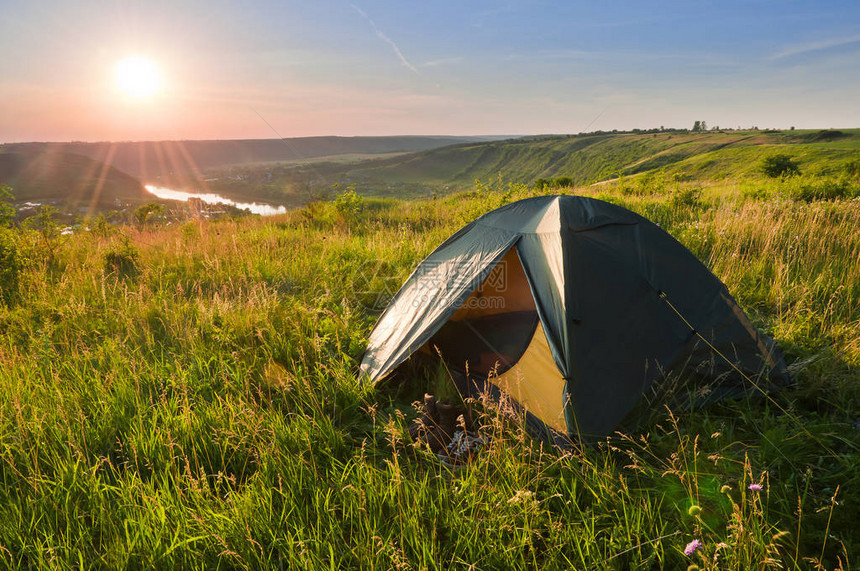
385	39
443	61
814	47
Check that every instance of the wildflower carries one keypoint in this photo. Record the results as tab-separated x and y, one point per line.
755	487
692	547
521	496
694	510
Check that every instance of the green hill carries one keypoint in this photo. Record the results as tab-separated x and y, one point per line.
590	158
68	179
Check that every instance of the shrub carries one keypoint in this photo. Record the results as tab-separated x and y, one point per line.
122	261
755	192
143	213
49	231
100	226
825	135
7	211
823	189
550	183
779	166
10	266
349	203
686	197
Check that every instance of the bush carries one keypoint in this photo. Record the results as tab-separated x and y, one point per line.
122	261
349	203
142	214
779	166
686	197
10	266
549	183
49	231
100	225
7	211
823	189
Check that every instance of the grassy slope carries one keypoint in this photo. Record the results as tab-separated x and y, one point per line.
196	406
72	179
591	158
302	174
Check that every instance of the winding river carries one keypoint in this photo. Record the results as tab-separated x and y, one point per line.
212	198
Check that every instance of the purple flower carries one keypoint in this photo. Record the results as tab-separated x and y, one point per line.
692	547
755	487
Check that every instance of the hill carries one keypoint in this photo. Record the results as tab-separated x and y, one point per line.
590	158
173	162
70	180
295	171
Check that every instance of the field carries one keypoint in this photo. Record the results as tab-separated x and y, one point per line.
186	397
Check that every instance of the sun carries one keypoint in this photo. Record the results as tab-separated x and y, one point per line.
138	77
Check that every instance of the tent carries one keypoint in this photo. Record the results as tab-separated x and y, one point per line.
577	309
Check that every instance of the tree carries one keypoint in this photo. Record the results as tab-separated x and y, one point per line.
697	126
7	211
779	166
350	202
43	222
143	213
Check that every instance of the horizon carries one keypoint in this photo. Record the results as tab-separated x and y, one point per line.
633	131
215	71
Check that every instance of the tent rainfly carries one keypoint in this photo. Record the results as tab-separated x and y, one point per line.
576	309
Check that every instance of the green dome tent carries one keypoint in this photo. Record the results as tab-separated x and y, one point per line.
575	308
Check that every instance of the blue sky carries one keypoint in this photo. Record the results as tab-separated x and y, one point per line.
330	67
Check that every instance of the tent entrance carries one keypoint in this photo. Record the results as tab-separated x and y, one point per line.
491	331
496	336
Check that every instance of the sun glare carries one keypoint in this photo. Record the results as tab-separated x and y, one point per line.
138	77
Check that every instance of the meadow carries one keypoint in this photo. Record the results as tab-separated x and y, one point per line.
186	397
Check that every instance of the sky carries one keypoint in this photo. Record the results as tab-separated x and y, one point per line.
282	68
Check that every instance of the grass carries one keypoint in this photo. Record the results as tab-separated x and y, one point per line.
185	397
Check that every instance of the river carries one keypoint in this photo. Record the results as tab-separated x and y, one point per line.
212	198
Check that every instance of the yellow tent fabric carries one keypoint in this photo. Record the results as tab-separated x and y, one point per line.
536	383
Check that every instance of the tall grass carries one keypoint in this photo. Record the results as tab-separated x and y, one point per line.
186	397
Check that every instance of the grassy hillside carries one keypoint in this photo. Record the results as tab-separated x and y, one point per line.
296	171
185	397
586	159
72	180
